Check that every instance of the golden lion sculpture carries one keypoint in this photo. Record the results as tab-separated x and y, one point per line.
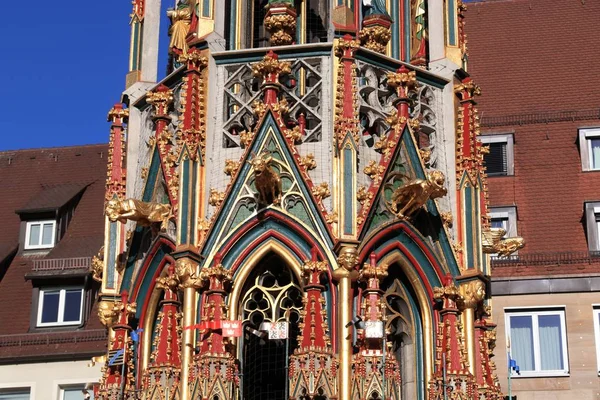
145	214
409	198
266	180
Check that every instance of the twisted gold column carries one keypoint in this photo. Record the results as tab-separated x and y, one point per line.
345	274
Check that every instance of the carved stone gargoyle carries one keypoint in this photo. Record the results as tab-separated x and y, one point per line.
266	180
146	214
492	242
409	198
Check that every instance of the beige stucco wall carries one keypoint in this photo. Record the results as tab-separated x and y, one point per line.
46	379
583	382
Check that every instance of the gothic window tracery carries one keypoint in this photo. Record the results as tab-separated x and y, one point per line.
402	327
271	295
302	90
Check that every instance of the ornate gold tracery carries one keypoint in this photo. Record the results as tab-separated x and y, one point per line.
273	296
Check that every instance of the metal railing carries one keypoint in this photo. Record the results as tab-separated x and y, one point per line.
548	259
43	338
61	264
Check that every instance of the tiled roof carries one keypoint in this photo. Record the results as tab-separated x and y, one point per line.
536	64
41	179
534	56
52	197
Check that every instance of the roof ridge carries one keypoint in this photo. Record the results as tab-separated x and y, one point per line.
54	148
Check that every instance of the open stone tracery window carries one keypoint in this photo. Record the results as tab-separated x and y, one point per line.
302	90
376	104
402	327
271	295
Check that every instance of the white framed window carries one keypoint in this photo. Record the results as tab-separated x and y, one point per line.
15	394
40	234
538	341
506	218
596	313
500	159
592	222
589	144
60	307
76	392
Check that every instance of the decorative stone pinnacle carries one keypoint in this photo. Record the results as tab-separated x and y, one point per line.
280	22
270	68
403	80
194	59
448	293
313	268
468	87
216	275
169	281
160	98
118	114
371	271
346	47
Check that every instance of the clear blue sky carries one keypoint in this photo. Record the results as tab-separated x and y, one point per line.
63	65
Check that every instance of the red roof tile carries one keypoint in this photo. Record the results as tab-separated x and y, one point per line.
39	178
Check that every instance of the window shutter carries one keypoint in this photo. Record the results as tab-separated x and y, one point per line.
496	161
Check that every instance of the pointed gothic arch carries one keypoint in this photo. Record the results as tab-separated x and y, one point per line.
271	295
420	268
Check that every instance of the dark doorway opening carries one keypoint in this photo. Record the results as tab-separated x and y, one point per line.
271	295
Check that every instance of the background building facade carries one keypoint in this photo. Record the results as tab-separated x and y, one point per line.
52	227
540	117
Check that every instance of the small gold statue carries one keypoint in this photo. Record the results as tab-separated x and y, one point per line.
266	180
493	242
146	214
409	198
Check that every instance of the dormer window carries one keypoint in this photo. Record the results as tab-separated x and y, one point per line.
40	234
58	307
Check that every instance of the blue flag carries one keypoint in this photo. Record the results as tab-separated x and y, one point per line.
512	365
116	356
135	335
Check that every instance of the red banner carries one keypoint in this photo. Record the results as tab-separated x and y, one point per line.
231	328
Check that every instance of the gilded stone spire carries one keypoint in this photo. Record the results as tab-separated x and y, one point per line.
376	373
164	371
451	373
313	366
485	374
214	372
117	380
